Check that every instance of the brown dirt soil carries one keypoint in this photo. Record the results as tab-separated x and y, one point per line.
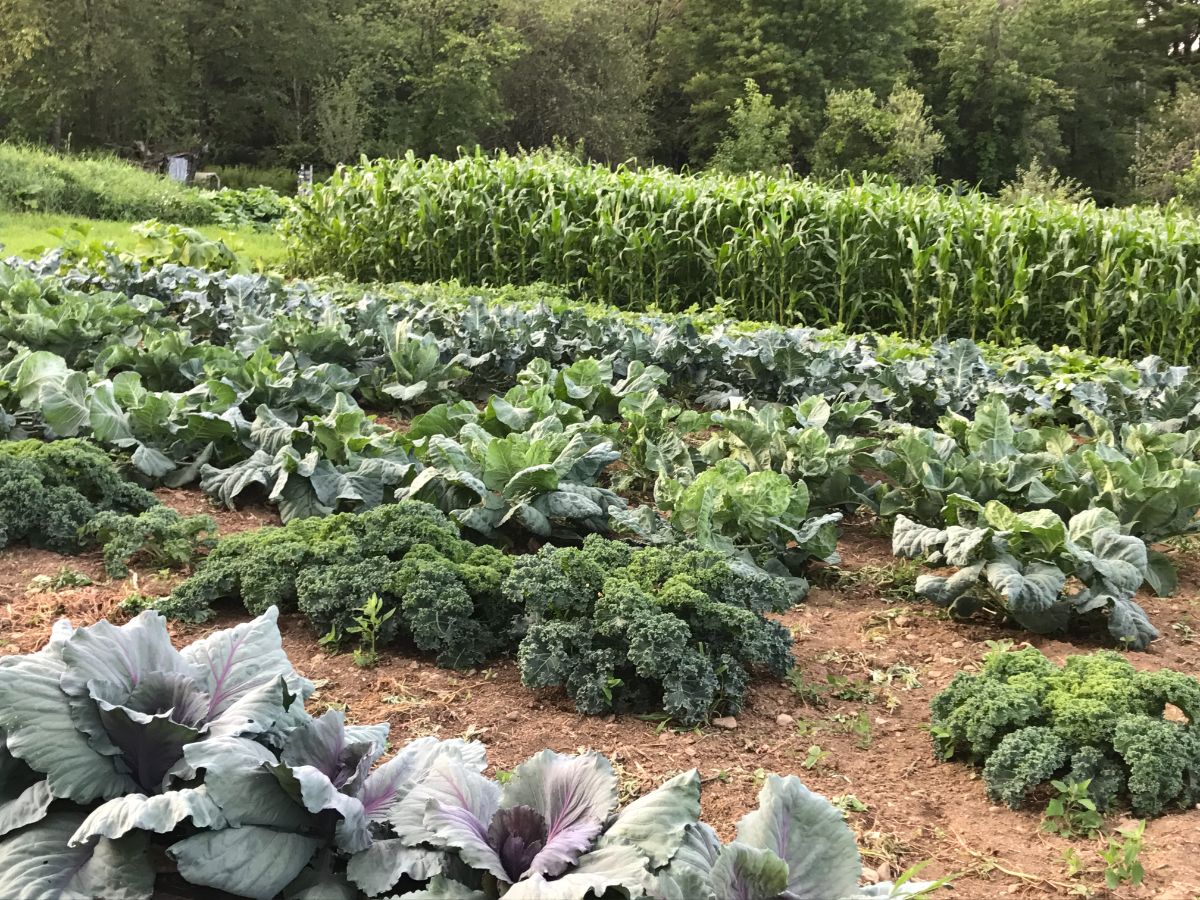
895	655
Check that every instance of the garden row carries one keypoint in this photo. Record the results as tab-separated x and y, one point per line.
114	743
117	750
872	256
257	394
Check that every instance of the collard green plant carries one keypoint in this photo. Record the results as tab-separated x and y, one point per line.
542	481
1019	563
670	629
1094	719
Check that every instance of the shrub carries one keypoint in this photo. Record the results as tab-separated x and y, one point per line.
1095	718
647	630
756	139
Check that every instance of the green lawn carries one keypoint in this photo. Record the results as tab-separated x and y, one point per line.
28	234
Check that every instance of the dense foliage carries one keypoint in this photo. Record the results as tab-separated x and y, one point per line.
676	630
69	496
445	591
257	397
123	758
1073	84
1094	719
869	256
51	492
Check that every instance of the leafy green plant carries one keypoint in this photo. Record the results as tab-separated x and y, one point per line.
49	493
368	622
1019	563
1121	857
159	537
761	514
541	481
63	579
436	590
671	629
1072	812
1095	719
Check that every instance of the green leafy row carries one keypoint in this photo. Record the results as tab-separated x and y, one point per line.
68	497
652	629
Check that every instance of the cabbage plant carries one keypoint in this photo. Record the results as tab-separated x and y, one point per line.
103	717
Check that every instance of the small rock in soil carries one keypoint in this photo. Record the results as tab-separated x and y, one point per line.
784	719
512	715
902	621
727	722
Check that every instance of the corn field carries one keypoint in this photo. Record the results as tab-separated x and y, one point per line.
874	256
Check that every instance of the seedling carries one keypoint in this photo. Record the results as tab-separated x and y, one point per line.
1073	812
1121	857
367	624
814	758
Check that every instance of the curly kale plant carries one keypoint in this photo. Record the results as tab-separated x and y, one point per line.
670	629
50	492
159	536
445	590
1096	718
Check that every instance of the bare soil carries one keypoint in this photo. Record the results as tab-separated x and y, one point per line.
894	655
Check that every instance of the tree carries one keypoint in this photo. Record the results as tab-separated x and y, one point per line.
581	76
861	134
1167	150
1060	81
341	119
756	139
795	50
432	70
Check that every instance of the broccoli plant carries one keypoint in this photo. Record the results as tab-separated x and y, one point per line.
1095	719
159	536
49	493
445	591
671	629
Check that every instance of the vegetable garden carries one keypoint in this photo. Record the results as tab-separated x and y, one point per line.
632	552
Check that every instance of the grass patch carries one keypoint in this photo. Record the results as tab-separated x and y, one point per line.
35	179
30	234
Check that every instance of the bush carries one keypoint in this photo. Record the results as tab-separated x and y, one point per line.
757	137
647	630
97	187
1095	718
